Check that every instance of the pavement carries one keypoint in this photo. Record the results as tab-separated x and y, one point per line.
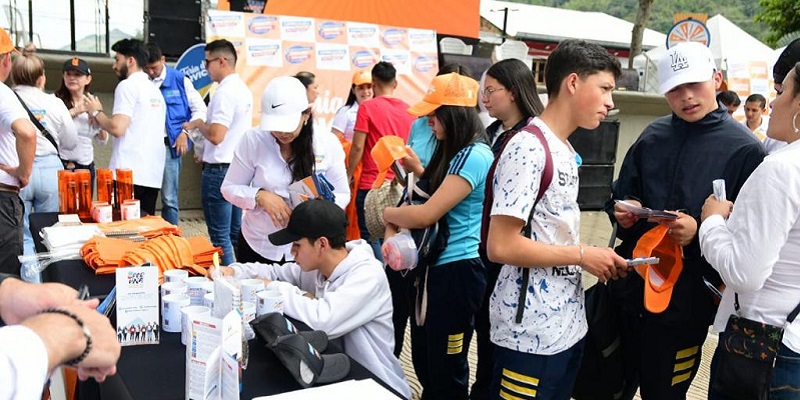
595	230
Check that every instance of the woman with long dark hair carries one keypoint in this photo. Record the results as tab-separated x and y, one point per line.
282	150
345	119
76	83
509	95
456	177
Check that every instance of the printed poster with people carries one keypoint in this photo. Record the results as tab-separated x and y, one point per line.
271	45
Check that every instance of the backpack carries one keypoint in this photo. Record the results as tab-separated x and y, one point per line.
547	178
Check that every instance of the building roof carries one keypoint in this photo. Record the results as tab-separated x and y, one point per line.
531	22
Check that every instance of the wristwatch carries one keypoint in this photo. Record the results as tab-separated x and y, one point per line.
95	112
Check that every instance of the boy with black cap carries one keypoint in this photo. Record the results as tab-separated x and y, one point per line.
334	286
671	167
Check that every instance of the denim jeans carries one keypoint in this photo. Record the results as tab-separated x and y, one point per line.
169	189
41	194
785	376
222	218
362	225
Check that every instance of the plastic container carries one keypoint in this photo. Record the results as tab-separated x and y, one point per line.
83	179
105	186
400	252
124	186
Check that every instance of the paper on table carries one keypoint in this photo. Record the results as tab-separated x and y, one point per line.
137	304
227	297
366	389
212	366
301	191
644	212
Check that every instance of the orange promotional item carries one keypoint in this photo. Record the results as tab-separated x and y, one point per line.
659	279
387	150
353	232
447	90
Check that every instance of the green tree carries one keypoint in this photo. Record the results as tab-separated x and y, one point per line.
782	16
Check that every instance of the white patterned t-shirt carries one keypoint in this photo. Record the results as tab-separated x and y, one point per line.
554	318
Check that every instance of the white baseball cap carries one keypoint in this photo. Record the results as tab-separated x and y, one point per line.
282	104
686	62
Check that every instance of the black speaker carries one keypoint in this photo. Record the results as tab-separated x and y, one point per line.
173	36
595	186
597	146
176	9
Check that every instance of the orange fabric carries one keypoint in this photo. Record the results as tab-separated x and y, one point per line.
386	151
463	16
149	227
353	233
660	278
70	381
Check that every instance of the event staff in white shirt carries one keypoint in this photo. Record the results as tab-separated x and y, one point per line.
344	121
184	104
17	150
230	114
756	250
75	84
282	150
41	195
49	327
335	286
137	123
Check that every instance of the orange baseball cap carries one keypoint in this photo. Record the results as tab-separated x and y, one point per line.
361	77
448	90
659	279
6	44
386	151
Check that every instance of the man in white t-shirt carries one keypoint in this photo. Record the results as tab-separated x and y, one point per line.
757	122
17	150
230	114
542	353
137	123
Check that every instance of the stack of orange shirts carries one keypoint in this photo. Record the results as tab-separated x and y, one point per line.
166	251
150	226
203	251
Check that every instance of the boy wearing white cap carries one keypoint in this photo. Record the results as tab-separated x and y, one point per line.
671	167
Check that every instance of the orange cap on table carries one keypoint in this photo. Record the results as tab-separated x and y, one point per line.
659	279
386	151
447	90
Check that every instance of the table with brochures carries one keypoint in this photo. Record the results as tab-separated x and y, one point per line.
156	372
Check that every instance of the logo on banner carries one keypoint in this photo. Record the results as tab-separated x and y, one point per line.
364	58
417	38
331	30
298	54
395	59
191	64
362	32
223	21
296	26
332	54
262	24
263	50
425	63
394	36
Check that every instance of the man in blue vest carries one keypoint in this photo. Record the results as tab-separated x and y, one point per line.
184	104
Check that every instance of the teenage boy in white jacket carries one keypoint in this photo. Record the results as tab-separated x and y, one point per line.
334	286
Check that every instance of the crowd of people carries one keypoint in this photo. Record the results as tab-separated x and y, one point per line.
519	288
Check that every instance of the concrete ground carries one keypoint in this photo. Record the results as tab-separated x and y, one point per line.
595	230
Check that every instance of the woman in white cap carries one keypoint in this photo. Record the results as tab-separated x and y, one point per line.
41	194
345	119
75	85
283	149
755	246
456	281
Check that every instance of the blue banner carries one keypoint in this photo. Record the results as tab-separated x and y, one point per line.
191	64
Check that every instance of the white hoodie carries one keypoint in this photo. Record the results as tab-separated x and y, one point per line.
354	303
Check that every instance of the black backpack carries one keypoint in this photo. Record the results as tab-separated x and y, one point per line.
547	178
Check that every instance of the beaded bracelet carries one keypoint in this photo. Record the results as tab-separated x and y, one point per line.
84	328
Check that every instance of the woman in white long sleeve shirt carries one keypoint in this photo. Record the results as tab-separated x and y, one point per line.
41	194
282	150
757	251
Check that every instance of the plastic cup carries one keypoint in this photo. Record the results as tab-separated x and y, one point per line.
168	288
269	301
171	311
175	275
249	289
187	313
197	289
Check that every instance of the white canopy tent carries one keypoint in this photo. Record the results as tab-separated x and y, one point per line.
729	44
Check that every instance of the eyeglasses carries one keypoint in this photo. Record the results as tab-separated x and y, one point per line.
207	61
489	90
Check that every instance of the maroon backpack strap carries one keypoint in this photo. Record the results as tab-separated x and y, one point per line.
547	178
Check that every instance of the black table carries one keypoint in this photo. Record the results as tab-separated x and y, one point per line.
157	372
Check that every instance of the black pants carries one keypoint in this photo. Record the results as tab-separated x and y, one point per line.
483	371
11	211
660	360
245	253
440	347
147	198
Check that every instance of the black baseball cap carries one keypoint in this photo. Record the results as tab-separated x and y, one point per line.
271	326
307	365
76	64
312	219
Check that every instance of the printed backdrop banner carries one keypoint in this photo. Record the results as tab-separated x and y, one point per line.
270	46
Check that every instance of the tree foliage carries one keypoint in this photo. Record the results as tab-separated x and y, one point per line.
782	16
